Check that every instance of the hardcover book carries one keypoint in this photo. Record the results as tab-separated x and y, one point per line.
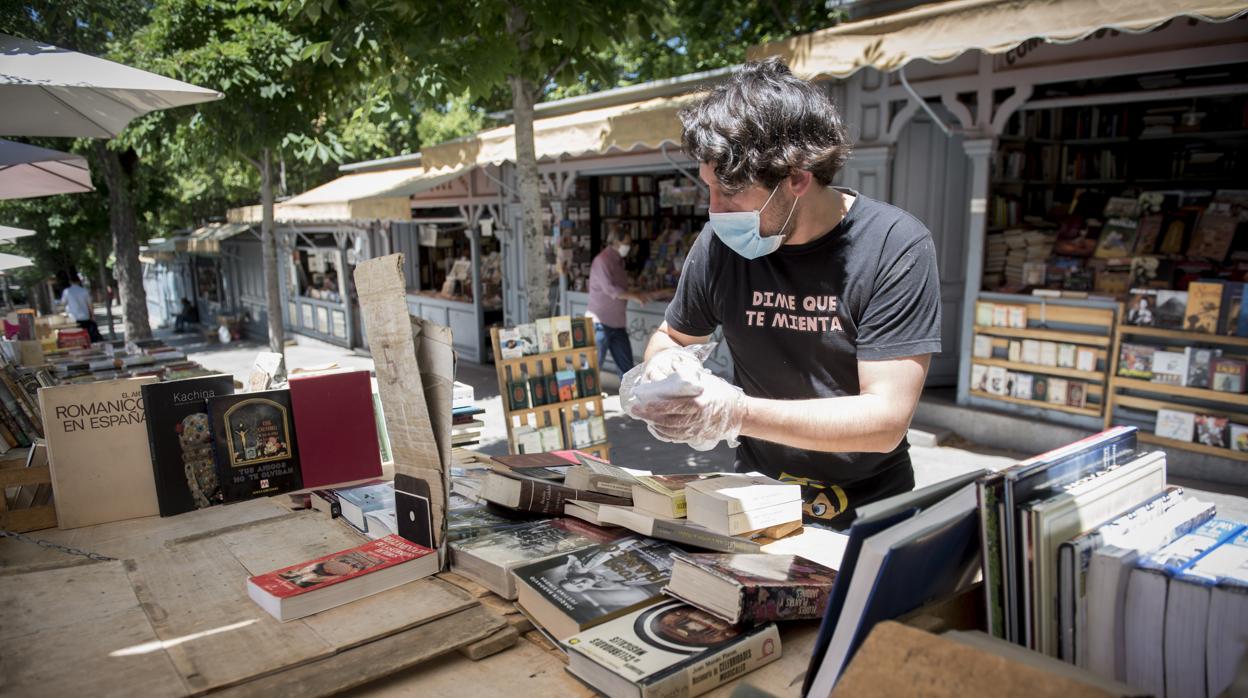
1169	367
1212	430
1136	361
1175	424
1039	389
254	438
317	585
490	559
183	460
572	592
98	455
335	428
1199	366
668	649
752	588
1204	303
538	496
581	327
1229	375
1171	309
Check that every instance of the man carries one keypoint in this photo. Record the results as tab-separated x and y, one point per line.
187	317
829	302
608	300
77	302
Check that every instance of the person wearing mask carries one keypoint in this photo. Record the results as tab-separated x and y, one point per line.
609	295
77	303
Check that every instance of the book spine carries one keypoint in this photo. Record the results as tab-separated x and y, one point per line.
760	604
708	540
30	412
708	671
12	414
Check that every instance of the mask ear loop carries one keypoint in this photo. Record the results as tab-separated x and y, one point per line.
787	219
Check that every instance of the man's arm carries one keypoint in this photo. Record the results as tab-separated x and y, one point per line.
874	421
667	338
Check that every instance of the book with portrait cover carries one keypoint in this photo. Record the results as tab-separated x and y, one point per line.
752	588
338	578
254	439
581	589
183	459
668	649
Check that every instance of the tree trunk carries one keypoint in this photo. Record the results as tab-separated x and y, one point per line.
101	253
523	96
268	243
124	224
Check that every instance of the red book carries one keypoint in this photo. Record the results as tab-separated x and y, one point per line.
335	428
316	585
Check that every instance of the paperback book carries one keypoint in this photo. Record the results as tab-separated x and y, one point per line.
180	440
254	438
752	588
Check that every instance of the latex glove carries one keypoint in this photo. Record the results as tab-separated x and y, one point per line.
669	361
698	409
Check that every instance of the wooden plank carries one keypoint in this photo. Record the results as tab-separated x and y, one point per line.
1197	337
385	657
473	589
27	520
529	360
1093	376
304	535
1049	335
95	641
1070	314
1193	446
1143	403
1238	399
1085	411
13	477
499	641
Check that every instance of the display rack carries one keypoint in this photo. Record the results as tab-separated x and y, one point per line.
1126	394
1084	324
557	414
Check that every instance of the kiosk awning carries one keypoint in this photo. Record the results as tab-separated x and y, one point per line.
649	123
206	240
382	195
941	32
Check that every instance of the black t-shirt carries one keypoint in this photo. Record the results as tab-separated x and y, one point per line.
798	320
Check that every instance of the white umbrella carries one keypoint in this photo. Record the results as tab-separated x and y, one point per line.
12	261
9	233
28	170
49	91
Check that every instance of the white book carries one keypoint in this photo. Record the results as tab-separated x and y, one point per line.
1175	424
1085	359
733	494
1066	355
1226	643
983	346
1048	353
1031	351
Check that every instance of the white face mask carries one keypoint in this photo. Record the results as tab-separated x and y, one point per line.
623	250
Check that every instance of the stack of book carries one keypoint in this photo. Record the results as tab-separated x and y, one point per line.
995	255
466	426
736	504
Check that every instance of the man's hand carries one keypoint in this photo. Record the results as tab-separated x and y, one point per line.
699	410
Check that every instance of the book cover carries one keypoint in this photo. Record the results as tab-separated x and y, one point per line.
1040	389
1023	386
1117	239
1000	315
1136	361
1058	390
335	428
183	462
984	314
1141	308
545	335
982	347
1031	351
1147	232
98	454
1015	352
770	587
562	327
1239	438
1048	353
1215	231
979	378
480	520
254	439
1204	301
493	556
528	338
581	327
1017	316
1169	367
1175	424
1066	354
996	380
1232	307
1229	375
595	584
1212	430
356	503
567	385
1076	394
509	344
1199	366
670	648
1171	309
1085	359
339	567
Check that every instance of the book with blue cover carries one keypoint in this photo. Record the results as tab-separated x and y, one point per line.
357	502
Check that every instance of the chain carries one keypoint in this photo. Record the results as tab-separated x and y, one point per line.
56	546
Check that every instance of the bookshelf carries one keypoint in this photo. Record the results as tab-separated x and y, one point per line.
560	415
1043	357
1136	401
662	212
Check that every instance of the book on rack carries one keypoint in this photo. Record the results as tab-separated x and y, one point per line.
733	504
570	593
537	496
670	648
335	427
254	438
680	531
183	458
752	588
348	575
1204	303
1171	311
99	459
490	559
1175	424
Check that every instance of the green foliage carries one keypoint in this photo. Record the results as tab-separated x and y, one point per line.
452	120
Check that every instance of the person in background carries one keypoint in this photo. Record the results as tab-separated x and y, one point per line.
77	303
608	300
187	317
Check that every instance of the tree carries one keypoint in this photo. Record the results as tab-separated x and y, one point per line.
435	49
277	106
91	27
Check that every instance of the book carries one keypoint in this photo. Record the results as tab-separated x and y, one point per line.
490	559
1085	359
538	496
752	588
662	495
582	328
338	578
255	444
670	648
1136	361
527	335
983	314
1175	424
1142	307
1239	437
1225	572
509	344
335	428
562	326
1171	310
1048	353
1199	366
1017	316
569	593
1212	430
1169	367
481	519
979	378
1215	231
1000	316
1076	394
566	380
98	455
355	503
1117	239
997	377
1066	354
982	347
1031	351
680	531
545	335
733	504
1039	389
1204	303
180	440
1229	375
1015	351
1023	386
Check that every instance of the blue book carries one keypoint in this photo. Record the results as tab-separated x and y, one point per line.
357	502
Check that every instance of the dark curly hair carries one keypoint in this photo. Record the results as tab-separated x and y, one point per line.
763	124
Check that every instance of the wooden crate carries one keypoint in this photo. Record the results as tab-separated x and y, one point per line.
26	486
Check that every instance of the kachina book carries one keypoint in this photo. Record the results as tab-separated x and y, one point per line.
255	444
183	460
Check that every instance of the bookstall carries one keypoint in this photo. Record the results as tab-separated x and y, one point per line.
548	377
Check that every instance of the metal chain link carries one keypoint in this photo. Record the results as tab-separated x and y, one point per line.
56	546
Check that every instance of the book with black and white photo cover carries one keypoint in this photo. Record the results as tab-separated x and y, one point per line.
348	575
668	649
979	378
178	433
996	380
752	588
1171	309
254	438
578	590
1200	366
490	559
1142	307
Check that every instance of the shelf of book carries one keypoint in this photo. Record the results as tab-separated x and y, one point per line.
1090	376
560	414
1044	335
1192	446
1081	411
1124	383
1200	337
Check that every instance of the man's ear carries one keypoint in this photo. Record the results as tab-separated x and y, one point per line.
800	182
